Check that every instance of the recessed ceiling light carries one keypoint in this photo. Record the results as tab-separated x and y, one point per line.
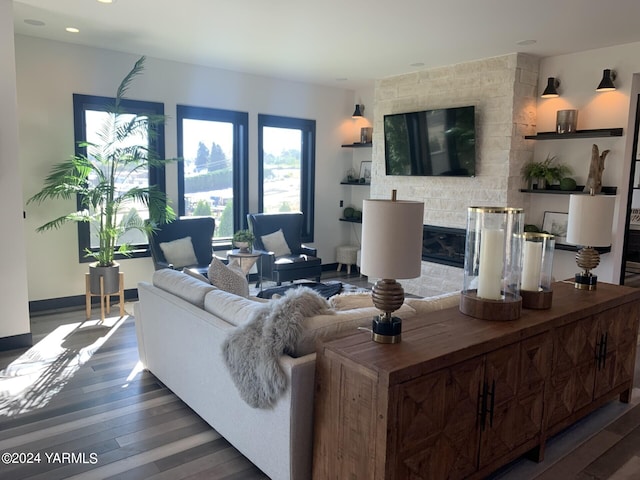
417	64
106	1
35	23
72	30
526	42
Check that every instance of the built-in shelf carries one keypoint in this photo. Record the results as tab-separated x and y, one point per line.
555	190
599	132
356	184
351	220
357	145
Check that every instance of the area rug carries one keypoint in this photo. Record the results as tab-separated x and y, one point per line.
327	290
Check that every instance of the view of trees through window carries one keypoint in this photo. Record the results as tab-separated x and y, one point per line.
207	152
281	169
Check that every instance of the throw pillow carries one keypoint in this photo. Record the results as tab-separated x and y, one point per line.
179	252
228	278
276	243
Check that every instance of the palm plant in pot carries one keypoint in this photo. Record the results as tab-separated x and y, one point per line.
99	181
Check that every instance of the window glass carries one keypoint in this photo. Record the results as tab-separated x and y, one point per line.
212	173
286	155
90	115
282	169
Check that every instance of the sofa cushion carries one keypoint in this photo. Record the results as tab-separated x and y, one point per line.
276	243
228	278
351	300
231	308
435	303
180	252
181	285
338	324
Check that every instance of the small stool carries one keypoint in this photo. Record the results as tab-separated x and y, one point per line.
346	255
104	298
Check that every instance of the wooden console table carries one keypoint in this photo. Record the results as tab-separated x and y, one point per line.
459	397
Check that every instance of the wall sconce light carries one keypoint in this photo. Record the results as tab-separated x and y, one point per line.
358	111
391	249
552	88
606	84
589	226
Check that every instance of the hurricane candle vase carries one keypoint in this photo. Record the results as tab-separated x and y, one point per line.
537	270
492	263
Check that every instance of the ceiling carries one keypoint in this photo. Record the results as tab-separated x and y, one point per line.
347	44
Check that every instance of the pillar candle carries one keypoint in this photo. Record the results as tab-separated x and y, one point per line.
531	265
490	266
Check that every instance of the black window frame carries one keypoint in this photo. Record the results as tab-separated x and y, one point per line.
240	121
307	165
157	175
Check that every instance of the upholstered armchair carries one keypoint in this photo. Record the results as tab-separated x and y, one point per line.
284	257
170	247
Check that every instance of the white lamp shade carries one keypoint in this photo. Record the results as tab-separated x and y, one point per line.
590	219
392	238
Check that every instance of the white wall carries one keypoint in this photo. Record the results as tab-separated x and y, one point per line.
13	279
50	72
579	75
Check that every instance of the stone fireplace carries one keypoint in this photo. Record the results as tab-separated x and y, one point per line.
504	93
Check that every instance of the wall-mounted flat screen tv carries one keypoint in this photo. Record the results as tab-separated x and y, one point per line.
438	142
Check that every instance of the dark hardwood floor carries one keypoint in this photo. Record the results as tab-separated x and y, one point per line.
77	405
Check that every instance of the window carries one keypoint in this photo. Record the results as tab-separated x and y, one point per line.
286	159
212	177
89	113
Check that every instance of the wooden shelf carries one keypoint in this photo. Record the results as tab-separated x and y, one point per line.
356	184
599	132
556	191
350	220
357	145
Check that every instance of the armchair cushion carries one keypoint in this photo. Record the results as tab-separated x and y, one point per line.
276	243
179	252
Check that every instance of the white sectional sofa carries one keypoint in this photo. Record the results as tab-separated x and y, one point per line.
181	325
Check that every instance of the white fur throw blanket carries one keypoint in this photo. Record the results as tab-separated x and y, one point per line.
251	352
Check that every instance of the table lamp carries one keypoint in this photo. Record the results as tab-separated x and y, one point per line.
391	249
589	226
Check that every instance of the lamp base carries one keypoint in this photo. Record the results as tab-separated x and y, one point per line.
586	281
385	330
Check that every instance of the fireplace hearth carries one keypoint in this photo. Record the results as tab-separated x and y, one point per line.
443	245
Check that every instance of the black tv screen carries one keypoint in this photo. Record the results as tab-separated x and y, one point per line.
438	142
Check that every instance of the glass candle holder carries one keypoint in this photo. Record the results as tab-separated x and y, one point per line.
537	270
492	263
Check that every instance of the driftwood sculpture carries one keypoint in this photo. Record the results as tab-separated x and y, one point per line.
595	170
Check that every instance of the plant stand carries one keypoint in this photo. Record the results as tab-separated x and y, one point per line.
105	298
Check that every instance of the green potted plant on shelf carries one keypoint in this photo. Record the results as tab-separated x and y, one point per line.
99	180
544	173
243	239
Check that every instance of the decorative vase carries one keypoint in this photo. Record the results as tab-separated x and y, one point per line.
542	183
243	246
110	275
